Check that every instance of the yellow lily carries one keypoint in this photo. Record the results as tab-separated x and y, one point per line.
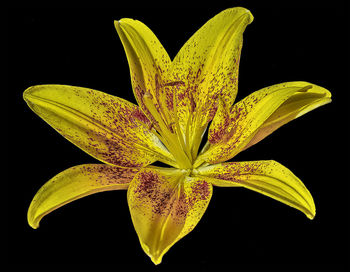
178	100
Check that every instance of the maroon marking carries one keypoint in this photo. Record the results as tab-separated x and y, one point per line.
192	103
174	83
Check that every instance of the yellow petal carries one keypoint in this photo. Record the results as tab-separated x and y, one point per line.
74	183
259	114
208	67
294	107
148	62
108	128
266	177
165	205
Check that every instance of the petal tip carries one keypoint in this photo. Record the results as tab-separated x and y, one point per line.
124	21
155	256
32	216
32	222
156	260
27	93
33	225
117	24
312	215
244	11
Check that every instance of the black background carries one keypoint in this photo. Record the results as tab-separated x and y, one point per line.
81	47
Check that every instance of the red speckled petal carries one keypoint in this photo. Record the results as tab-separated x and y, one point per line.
165	205
148	61
74	183
257	115
109	128
207	65
266	177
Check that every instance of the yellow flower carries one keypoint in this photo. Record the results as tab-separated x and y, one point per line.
178	100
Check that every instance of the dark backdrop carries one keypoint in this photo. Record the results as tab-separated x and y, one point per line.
81	47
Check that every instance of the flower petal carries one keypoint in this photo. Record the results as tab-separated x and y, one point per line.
109	128
266	177
257	115
207	65
294	107
165	205
74	183
148	61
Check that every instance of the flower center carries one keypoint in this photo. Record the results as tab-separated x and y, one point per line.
170	133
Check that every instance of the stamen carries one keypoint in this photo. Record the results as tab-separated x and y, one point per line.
169	139
160	98
178	129
187	133
166	114
197	140
148	100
